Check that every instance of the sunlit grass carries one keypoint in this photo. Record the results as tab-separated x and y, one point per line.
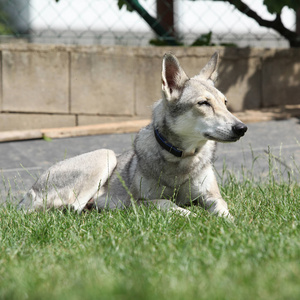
147	254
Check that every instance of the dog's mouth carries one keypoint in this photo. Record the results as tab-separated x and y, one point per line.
227	139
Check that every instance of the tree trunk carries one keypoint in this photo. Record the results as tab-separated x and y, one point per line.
154	23
298	22
295	42
165	15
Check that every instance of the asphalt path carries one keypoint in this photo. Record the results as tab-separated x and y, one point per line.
277	142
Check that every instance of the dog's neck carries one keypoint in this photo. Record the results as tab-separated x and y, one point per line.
170	147
168	139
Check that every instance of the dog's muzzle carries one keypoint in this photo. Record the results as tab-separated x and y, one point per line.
239	129
228	135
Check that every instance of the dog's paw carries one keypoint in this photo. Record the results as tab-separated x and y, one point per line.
229	217
183	212
226	214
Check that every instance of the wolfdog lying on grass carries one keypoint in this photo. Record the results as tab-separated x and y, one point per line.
171	158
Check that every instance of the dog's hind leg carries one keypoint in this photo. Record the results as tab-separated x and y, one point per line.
72	182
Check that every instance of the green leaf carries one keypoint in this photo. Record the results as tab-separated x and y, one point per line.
47	139
275	6
121	3
203	40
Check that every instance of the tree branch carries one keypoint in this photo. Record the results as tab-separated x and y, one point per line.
276	24
152	22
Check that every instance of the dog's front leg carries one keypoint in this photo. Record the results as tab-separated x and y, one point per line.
208	193
216	206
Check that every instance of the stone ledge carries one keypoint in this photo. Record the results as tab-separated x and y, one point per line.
268	114
30	121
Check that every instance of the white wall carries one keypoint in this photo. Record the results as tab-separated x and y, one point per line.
192	19
219	16
87	15
105	15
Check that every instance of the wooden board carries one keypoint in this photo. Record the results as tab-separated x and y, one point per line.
63	132
120	127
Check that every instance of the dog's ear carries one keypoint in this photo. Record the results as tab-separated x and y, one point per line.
173	77
210	70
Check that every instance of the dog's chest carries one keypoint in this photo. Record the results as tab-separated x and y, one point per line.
164	181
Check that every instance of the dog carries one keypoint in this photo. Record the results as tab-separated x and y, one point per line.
170	165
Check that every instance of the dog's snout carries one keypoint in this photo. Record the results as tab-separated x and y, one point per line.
239	129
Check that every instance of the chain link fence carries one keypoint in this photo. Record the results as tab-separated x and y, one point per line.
103	22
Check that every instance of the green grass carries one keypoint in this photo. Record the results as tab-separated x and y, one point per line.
148	254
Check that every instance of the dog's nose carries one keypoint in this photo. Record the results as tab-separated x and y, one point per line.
239	129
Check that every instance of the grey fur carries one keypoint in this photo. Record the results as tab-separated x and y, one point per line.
192	116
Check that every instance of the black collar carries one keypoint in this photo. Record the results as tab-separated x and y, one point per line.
166	145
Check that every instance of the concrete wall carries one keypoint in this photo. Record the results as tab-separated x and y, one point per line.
57	86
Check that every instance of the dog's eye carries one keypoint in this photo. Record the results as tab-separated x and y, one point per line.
225	102
203	102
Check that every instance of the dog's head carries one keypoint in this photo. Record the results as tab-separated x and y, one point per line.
197	108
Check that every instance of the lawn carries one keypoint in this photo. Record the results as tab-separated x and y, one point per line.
148	254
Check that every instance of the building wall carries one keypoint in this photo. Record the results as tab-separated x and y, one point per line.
44	86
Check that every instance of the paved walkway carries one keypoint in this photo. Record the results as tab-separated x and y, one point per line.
22	161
